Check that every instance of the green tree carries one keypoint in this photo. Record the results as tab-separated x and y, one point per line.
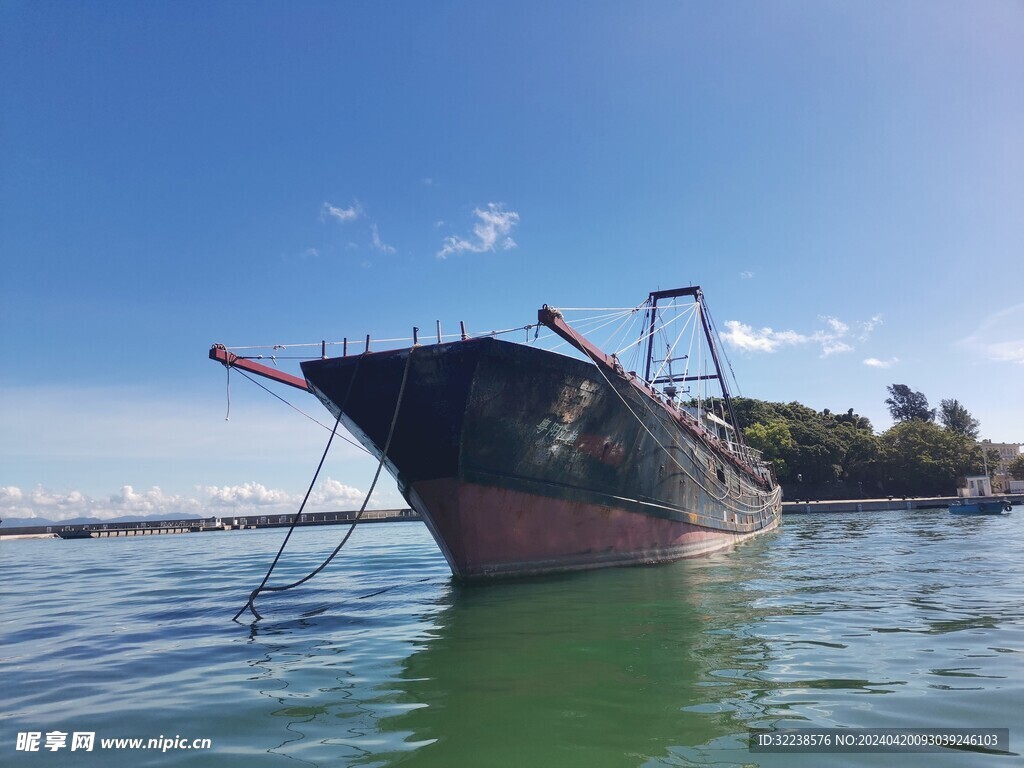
858	421
861	460
774	441
991	460
957	418
823	448
1016	468
906	405
982	459
920	458
750	411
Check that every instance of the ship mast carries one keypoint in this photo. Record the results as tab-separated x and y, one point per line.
698	296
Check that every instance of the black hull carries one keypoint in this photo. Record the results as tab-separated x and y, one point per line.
526	461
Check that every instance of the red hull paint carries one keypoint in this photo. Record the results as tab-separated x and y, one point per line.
490	531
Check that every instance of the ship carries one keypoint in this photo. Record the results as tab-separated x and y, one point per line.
523	460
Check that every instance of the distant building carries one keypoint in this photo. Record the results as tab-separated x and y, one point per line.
1007	453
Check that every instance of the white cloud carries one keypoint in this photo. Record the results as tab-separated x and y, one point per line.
380	246
353	212
494	225
246	494
212	501
343	215
867	327
744	337
257	497
1000	337
833	346
64	505
1006	351
746	275
336	494
874	362
835	338
838	327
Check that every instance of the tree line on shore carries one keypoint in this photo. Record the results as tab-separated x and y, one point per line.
821	454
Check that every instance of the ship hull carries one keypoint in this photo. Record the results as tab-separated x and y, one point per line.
539	534
523	461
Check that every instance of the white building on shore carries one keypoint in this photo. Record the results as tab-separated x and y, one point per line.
1007	453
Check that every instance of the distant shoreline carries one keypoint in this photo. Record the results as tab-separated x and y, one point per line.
101	530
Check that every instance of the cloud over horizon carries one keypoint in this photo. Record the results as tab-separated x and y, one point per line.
55	505
212	501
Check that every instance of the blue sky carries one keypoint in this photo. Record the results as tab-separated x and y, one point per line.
845	179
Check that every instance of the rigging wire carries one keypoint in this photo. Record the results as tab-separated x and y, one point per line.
689	353
702	361
648	333
725	354
293	407
751	509
586	324
672	346
624	329
615	311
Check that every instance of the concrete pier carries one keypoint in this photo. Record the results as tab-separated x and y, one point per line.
805	507
203	524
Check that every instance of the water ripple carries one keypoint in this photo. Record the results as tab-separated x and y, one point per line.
882	619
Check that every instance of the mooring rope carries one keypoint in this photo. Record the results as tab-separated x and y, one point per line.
250	605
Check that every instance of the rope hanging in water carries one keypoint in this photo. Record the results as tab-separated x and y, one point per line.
380	465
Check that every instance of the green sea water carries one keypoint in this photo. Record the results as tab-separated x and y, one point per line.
888	619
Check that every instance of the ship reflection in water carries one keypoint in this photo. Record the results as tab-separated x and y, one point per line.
609	668
667	665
